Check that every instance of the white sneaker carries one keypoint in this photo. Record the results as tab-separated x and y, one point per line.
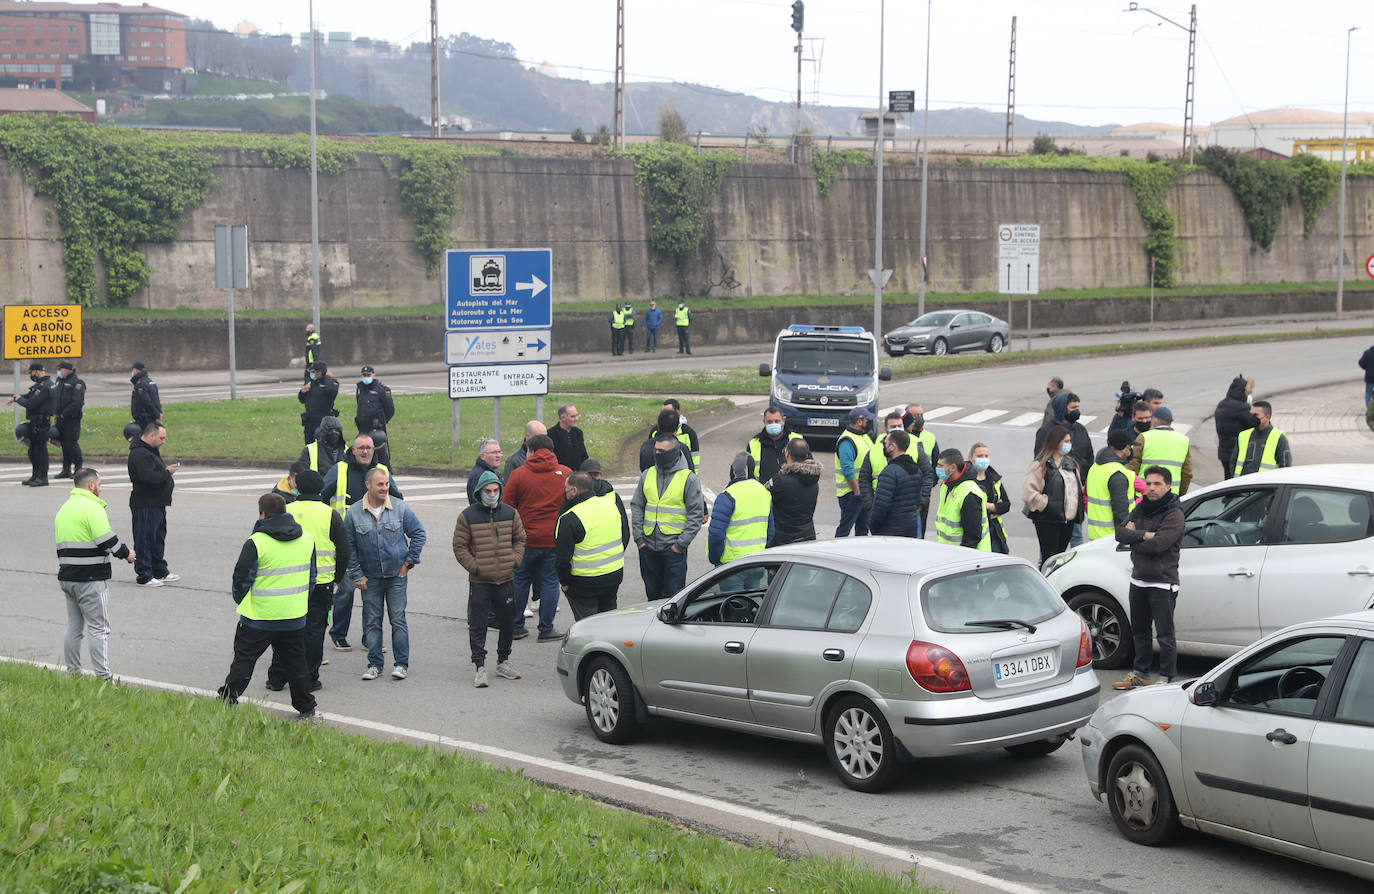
171	578
372	673
503	669
529	613
151	582
479	679
398	673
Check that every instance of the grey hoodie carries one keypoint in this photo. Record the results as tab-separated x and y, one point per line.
691	495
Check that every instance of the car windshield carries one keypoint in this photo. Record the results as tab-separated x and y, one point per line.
937	318
825	356
965	603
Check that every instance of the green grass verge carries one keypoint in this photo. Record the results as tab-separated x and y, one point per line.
697	303
268	429
158	792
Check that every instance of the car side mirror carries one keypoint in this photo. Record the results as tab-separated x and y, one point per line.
1205	695
765	369
669	614
954	325
885	374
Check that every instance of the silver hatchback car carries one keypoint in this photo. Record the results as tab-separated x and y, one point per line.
879	648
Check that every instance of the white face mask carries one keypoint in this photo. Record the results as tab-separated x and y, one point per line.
490	500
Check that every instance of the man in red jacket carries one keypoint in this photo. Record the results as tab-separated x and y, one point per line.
536	491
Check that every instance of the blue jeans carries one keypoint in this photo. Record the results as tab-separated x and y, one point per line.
1076	538
150	542
853	515
664	572
1368	392
538	563
651	341
343	605
388	593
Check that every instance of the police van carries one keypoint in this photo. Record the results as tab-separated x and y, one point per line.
820	373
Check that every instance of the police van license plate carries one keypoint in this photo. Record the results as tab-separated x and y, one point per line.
822	422
1010	671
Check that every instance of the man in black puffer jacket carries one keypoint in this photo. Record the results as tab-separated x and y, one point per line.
1232	416
795	487
899	492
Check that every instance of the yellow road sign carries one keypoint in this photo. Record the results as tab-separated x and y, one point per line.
41	331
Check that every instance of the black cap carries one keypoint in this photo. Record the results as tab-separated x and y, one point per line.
35	366
309	482
590	465
140	365
367	370
1163	414
65	364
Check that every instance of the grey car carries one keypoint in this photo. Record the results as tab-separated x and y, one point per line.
880	649
1272	748
943	332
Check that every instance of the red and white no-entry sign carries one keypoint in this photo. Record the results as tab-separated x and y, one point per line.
1369	266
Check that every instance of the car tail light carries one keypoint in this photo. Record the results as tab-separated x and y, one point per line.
935	668
1085	645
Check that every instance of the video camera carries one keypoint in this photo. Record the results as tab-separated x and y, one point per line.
1125	399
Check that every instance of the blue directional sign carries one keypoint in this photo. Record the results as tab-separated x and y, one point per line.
498	288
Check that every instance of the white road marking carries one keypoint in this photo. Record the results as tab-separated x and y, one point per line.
981	416
843	839
1025	419
940	411
1084	420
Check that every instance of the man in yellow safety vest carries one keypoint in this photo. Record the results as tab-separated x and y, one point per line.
589	547
1162	446
666	513
742	517
1263	447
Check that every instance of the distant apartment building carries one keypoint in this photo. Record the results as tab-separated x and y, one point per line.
96	46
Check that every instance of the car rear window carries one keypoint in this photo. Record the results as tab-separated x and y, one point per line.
1000	593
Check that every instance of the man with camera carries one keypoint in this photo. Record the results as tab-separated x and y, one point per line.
1124	417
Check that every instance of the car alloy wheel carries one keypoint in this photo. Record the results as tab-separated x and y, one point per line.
1108	627
860	745
940	348
995	344
609	697
1139	797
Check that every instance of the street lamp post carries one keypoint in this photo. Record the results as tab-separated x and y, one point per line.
877	274
314	188
925	170
1189	137
1340	226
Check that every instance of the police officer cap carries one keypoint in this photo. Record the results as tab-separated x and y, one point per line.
65	364
35	366
309	482
140	365
132	430
367	370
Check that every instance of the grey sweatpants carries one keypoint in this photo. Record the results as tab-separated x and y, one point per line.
88	605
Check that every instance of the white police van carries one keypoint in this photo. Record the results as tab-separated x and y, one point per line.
820	373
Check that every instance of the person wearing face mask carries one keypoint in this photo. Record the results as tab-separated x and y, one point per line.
489	542
328	448
666	513
314	349
898	491
286	487
667	424
995	496
742	517
1162	446
1053	387
629	333
876	461
685	433
1140	418
69	396
1262	448
855	442
914	421
795	490
1110	487
144	404
38	406
1153	531
682	319
1053	492
962	516
375	408
1066	408
317	395
768	449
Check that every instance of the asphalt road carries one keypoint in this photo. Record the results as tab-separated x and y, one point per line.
1032	823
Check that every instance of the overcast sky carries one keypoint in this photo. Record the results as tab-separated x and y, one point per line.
1085	61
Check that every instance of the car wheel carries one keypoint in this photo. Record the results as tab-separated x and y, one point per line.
609	696
940	348
995	344
1108	626
860	745
1139	797
1038	748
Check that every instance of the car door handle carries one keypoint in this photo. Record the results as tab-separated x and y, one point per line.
1282	736
833	654
1361	571
1240	572
734	647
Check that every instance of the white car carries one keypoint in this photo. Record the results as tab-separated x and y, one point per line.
1260	552
1272	749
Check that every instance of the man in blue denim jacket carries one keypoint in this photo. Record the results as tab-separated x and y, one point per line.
385	539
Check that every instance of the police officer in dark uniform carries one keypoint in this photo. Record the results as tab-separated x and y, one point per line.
314	348
38	404
144	404
375	409
69	393
318	395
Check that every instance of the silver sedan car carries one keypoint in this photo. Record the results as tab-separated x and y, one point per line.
943	332
880	649
1272	748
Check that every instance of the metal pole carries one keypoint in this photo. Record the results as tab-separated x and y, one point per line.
456	414
17	408
1028	322
233	357
1190	126
434	68
496	418
925	171
539	407
878	184
314	187
1340	226
796	127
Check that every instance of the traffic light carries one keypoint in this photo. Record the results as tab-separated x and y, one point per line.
797	9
